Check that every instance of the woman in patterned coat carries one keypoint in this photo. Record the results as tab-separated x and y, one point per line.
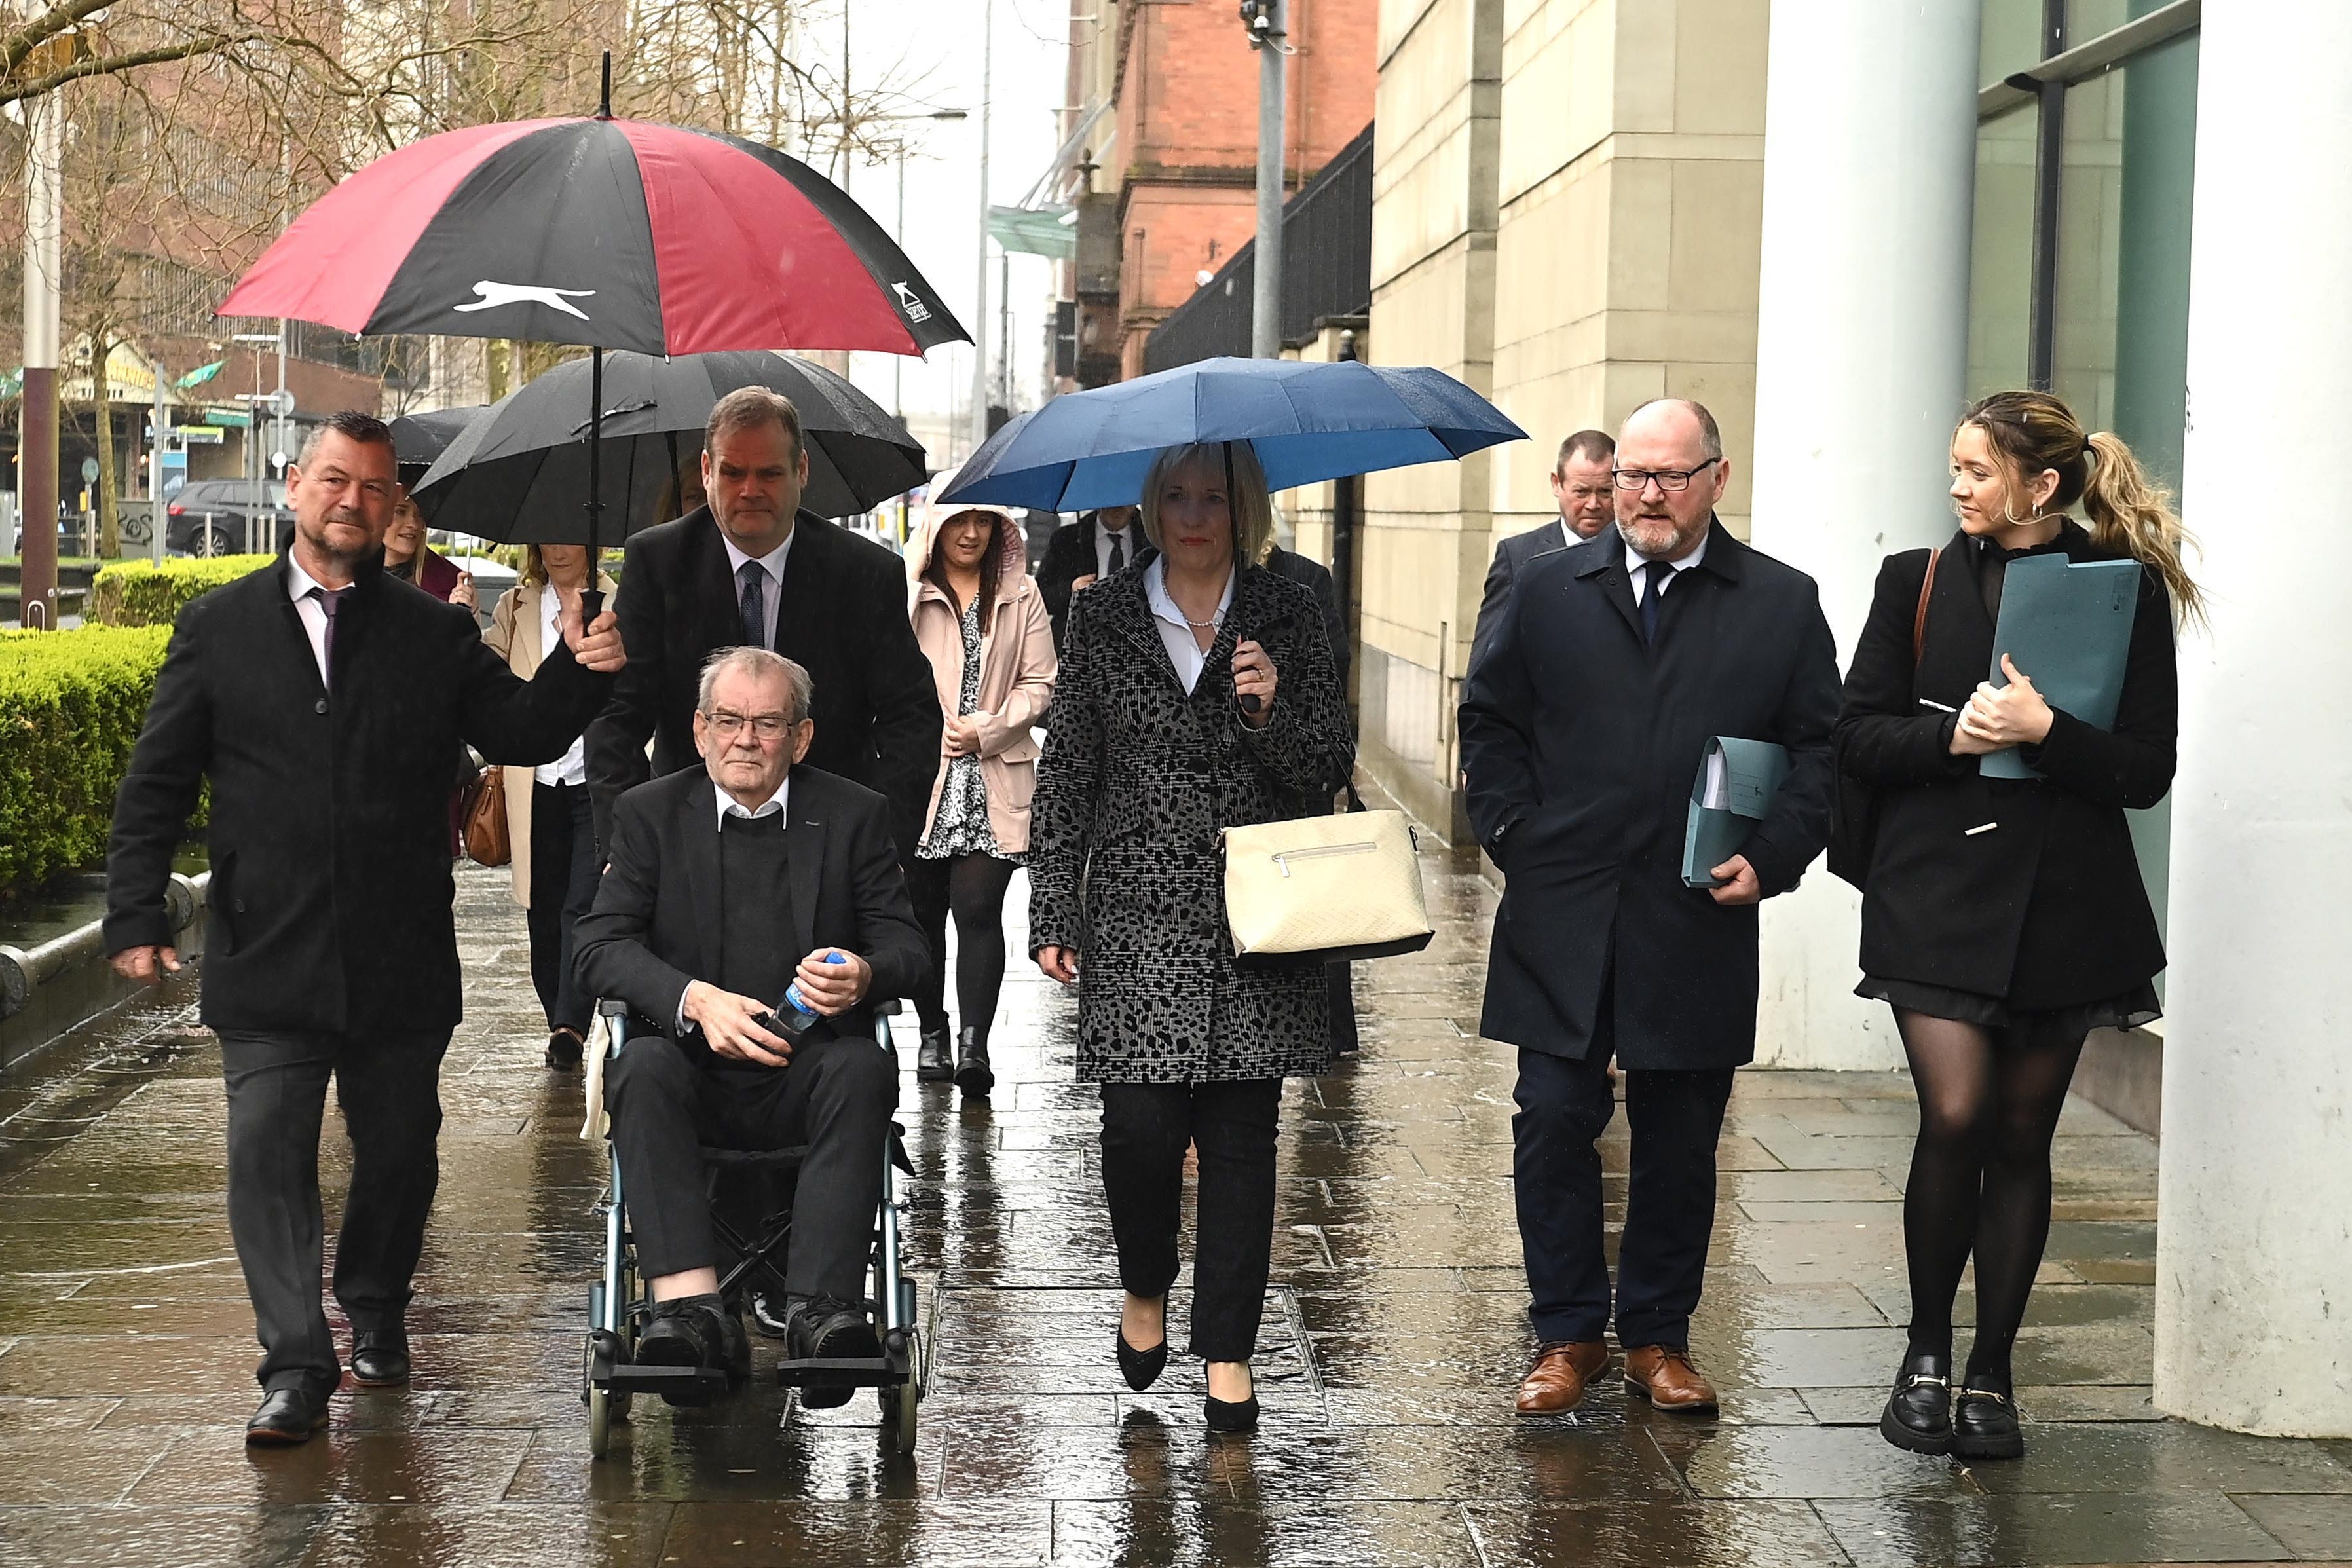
1149	751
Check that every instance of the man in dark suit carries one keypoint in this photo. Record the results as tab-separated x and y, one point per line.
1580	484
718	876
749	568
1584	720
323	702
1100	544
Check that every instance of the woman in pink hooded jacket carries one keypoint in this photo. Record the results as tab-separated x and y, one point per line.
982	622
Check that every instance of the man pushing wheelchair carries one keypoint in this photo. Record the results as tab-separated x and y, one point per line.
751	914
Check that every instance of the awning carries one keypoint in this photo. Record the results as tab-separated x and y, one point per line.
1041	231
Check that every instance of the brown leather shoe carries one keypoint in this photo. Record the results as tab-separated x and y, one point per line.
1556	1382
1664	1375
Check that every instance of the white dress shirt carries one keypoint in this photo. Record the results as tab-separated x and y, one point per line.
1175	631
727	806
1129	537
1673	569
572	768
773	592
303	588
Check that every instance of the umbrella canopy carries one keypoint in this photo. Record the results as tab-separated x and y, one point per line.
1309	421
520	472
608	232
418	438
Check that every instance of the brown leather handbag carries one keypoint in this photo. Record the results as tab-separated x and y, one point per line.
1854	803
482	809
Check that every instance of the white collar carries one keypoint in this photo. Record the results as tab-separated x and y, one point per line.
1155	593
773	563
1684	564
772	807
1134	527
301	584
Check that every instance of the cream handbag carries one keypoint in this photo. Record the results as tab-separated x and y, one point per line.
1324	888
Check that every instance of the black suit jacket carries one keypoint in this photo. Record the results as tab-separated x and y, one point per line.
1581	742
329	829
842	618
2049	908
656	920
1316	578
1070	556
1511	559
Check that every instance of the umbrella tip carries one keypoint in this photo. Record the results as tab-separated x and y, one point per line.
604	97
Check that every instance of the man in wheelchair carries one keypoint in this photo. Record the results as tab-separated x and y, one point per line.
727	887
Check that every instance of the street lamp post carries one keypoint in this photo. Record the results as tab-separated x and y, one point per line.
980	296
1269	36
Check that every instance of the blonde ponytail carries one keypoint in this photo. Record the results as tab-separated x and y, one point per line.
2130	512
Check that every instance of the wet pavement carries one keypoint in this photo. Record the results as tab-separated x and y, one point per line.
1393	1337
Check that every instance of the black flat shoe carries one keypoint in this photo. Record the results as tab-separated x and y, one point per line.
1226	1416
973	1073
1919	1414
697	1332
1141	1368
934	1060
564	1048
286	1417
1984	1426
826	1329
380	1358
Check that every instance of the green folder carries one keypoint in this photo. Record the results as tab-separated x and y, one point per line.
1736	784
2067	624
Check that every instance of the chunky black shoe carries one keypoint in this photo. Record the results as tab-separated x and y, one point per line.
286	1417
379	1358
1984	1425
1141	1368
1919	1414
825	1328
564	1048
696	1331
771	1314
934	1058
973	1073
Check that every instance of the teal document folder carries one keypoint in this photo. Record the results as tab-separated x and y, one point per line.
1736	784
2067	625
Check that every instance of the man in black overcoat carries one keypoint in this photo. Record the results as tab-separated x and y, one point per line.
749	568
1100	544
1582	487
1583	721
323	700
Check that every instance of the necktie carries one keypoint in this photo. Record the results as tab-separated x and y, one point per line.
1118	552
331	601
1653	591
754	579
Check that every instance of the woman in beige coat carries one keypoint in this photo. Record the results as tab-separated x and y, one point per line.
548	819
982	622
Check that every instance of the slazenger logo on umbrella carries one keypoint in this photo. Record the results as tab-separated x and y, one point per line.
489	296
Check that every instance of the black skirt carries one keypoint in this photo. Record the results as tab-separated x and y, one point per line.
2135	1007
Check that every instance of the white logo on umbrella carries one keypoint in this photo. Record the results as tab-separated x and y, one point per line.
916	311
489	296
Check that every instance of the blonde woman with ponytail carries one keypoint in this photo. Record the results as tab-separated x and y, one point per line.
2003	920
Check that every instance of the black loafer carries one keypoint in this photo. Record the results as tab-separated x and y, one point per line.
1141	1368
824	1328
973	1073
564	1048
380	1358
286	1417
1984	1426
1919	1414
934	1062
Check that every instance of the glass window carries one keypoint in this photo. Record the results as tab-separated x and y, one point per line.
2000	269
2008	38
2086	19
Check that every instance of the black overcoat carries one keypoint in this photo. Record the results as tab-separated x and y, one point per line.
1582	741
2045	907
842	617
330	905
1125	857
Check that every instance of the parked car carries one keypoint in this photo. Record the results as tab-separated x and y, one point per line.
208	517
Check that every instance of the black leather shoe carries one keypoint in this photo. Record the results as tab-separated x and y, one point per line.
826	1328
1984	1425
379	1358
1226	1415
696	1331
1919	1414
934	1062
564	1047
1141	1368
973	1073
771	1314
286	1417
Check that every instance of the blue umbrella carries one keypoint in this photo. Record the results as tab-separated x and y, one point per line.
1308	422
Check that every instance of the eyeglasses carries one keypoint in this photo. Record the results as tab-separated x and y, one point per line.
765	726
1667	479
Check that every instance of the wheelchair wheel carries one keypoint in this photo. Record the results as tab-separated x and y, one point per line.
600	1423
898	1416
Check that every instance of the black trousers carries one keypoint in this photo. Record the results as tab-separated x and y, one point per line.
387	1084
836	1098
1676	1119
971	887
562	886
1145	1130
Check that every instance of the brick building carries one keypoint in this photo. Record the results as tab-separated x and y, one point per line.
1164	114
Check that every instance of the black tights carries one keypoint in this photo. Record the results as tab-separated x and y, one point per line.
1988	1105
972	887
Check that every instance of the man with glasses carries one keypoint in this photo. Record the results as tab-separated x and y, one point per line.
1586	711
729	884
1580	484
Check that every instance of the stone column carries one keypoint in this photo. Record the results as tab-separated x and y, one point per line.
1861	366
2253	1285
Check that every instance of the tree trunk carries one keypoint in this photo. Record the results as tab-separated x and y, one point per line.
110	519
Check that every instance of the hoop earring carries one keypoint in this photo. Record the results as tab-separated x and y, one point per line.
2008	517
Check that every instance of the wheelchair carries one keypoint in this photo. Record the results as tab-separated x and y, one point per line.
618	1308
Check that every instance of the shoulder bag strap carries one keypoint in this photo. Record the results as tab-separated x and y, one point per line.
1920	617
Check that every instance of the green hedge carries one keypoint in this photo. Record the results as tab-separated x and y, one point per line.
141	593
70	707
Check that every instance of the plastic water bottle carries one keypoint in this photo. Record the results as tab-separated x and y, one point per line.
799	1017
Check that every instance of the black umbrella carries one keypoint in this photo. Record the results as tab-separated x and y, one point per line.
520	471
418	438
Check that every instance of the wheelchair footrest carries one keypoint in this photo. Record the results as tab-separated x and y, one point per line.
892	1367
671	1380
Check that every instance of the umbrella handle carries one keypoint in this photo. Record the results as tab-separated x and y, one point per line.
592	601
